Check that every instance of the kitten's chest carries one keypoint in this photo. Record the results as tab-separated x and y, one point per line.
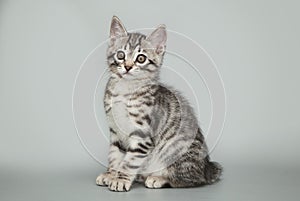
125	106
129	104
119	105
120	116
123	98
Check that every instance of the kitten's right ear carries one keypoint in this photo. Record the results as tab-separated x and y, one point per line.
116	28
158	39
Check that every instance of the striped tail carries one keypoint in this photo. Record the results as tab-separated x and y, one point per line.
213	171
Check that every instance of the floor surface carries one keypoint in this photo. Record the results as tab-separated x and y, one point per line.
239	182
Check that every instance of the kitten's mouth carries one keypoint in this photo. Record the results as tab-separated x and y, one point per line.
127	73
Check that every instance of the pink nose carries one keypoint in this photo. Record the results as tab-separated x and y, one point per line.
128	65
128	68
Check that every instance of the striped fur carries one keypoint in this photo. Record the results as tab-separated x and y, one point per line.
155	136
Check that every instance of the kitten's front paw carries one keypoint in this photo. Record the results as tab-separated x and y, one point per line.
104	179
119	185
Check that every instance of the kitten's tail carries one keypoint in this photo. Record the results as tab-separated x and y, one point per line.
213	171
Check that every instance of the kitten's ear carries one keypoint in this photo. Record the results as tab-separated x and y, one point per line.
116	28
158	38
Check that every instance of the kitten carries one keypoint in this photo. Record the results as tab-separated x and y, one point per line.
154	135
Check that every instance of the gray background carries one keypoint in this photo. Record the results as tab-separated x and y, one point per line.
255	45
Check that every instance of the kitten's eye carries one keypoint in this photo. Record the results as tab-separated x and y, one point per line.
141	58
120	55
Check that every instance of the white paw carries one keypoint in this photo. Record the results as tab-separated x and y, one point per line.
103	179
119	185
155	182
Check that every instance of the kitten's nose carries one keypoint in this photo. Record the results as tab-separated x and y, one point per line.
128	68
128	65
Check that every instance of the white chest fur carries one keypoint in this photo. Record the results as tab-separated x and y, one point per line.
119	118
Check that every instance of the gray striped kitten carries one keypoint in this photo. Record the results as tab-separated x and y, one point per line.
154	135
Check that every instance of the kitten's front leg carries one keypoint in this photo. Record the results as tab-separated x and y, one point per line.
115	156
140	145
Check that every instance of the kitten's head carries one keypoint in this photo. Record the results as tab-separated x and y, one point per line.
134	56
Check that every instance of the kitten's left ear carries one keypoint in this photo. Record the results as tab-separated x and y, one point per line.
158	39
117	29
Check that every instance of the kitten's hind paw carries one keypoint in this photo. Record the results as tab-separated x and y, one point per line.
156	182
